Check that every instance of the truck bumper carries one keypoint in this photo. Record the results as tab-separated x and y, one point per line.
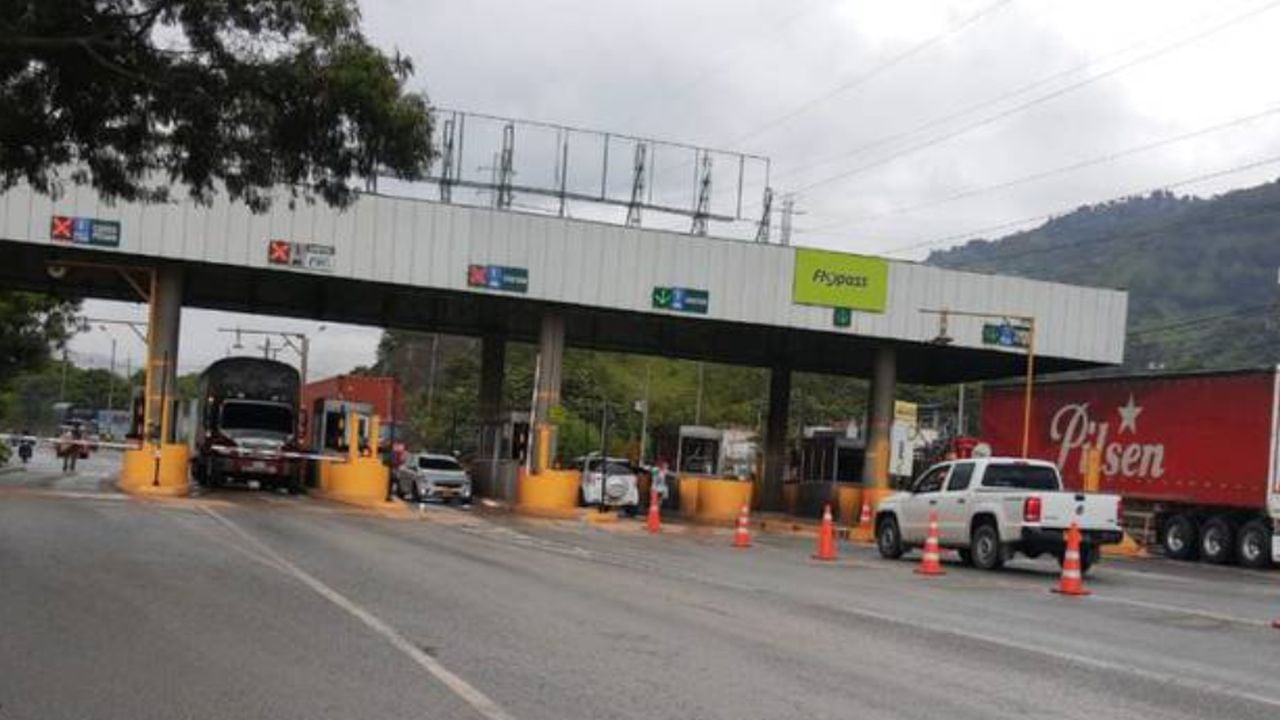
1045	540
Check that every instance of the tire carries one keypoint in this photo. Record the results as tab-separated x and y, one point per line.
1253	545
1180	538
1089	556
985	548
966	556
1218	541
889	538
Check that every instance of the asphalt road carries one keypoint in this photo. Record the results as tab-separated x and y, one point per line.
253	605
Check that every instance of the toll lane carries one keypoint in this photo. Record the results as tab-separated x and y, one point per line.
144	609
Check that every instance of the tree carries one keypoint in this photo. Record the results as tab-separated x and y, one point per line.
31	325
132	96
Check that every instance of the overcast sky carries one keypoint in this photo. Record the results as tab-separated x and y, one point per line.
901	125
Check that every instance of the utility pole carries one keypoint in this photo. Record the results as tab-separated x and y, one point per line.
111	380
697	412
644	411
62	390
960	412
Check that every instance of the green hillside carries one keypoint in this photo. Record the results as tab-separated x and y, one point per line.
1201	273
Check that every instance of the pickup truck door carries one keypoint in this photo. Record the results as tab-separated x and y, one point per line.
914	521
953	508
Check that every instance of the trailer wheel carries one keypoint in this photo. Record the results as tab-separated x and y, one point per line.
1217	541
1253	545
1179	538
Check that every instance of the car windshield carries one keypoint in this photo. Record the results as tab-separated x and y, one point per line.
438	463
612	467
1022	477
241	415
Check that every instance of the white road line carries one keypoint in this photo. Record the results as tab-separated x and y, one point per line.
1181	610
1077	659
473	697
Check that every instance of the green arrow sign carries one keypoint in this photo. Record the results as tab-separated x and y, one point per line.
662	297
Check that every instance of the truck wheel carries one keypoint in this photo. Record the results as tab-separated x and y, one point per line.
1089	555
1179	538
1253	545
1217	541
984	545
889	538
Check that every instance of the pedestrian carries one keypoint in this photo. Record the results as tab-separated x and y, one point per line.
70	448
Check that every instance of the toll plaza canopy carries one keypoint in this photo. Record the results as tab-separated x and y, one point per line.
418	264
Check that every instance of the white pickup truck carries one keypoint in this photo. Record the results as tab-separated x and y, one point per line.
990	508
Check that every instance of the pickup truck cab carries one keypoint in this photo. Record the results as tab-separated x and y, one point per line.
990	508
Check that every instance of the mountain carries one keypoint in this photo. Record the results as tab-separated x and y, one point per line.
1201	272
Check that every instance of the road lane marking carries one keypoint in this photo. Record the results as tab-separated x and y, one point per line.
480	702
1181	610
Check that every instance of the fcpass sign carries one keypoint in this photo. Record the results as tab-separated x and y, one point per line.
839	280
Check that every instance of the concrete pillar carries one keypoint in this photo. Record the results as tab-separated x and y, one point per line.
160	466
875	468
775	438
493	356
165	327
547	393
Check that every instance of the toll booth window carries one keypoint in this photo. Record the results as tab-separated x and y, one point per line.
1021	477
931	482
700	456
849	464
961	474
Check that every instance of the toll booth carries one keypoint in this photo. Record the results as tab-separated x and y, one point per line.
328	425
504	448
700	450
829	459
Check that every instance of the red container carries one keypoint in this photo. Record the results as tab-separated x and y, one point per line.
1198	439
383	393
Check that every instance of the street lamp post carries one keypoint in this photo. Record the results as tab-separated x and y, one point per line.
943	339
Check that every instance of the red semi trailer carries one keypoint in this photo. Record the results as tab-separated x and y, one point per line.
1194	455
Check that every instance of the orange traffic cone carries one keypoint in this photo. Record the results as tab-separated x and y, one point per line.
826	536
931	560
653	523
1072	582
742	535
865	532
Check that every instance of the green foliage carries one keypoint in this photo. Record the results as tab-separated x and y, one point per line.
1201	274
592	381
241	95
31	326
27	400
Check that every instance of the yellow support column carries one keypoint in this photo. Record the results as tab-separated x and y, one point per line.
160	466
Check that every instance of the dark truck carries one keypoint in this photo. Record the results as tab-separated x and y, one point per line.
247	424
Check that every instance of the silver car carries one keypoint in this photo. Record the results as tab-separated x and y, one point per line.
433	476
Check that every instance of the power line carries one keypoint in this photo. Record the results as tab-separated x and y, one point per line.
1180	327
859	80
1041	99
970	234
1063	169
968	110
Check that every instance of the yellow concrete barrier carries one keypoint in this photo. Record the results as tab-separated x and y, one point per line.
550	493
139	474
1127	547
360	481
689	494
720	500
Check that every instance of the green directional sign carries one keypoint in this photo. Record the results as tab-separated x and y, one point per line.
678	299
842	317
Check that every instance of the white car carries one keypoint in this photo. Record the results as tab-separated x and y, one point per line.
990	508
433	476
619	488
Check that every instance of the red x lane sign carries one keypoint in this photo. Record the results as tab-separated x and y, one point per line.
280	252
61	228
